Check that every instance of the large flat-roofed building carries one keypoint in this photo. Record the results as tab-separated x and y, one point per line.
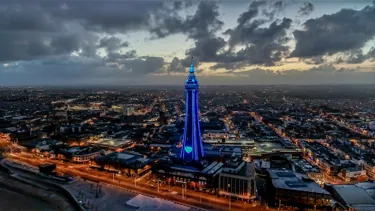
287	188
129	163
359	197
79	154
109	143
42	144
238	181
192	177
211	175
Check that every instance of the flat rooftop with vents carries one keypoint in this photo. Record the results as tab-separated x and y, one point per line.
360	196
294	181
297	190
109	143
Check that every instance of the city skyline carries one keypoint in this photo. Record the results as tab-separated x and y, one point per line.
151	42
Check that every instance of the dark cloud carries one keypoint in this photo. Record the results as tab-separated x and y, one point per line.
267	54
44	29
176	66
356	57
252	12
263	45
306	9
38	38
202	24
143	65
207	49
371	54
254	33
120	57
28	46
27	33
179	5
261	8
273	8
89	45
109	16
112	43
201	27
346	30
279	5
60	70
41	35
314	60
34	29
131	64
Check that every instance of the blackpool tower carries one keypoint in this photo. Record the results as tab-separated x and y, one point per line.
192	148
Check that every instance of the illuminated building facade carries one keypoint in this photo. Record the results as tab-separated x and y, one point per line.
192	148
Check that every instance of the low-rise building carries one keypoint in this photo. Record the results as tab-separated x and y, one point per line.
370	168
358	197
110	143
286	188
79	154
353	173
129	163
238	181
41	145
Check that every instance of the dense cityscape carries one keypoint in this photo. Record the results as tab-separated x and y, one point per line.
265	147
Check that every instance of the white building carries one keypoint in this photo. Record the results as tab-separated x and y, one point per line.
128	110
370	169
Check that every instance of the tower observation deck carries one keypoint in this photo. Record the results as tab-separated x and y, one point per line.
192	147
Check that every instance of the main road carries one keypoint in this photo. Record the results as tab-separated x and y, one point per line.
192	198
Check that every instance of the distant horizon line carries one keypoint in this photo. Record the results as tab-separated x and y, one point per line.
177	85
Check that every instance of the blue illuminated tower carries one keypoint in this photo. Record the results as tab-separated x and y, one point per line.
192	148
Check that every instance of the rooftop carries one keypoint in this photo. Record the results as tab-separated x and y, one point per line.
110	142
360	196
124	156
293	181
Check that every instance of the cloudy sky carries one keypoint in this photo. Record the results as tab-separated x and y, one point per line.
124	42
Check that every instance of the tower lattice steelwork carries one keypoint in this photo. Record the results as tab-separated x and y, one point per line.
192	148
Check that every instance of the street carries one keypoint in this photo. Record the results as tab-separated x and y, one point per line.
140	185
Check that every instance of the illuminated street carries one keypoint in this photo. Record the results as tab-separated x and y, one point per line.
141	185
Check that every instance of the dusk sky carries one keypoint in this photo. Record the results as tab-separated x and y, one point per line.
123	42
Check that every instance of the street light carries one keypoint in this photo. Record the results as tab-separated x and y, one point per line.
230	198
183	185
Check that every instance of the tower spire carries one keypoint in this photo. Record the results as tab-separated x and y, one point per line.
191	70
192	146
